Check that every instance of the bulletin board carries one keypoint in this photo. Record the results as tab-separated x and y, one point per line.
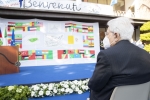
43	42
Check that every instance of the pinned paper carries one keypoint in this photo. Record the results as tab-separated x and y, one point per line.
70	39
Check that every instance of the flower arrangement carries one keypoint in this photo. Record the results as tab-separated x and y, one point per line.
145	27
62	88
147	48
43	90
145	35
14	93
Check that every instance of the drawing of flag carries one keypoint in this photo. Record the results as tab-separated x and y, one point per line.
11	24
38	52
5	34
24	53
70	51
76	51
13	38
81	51
113	2
92	51
0	33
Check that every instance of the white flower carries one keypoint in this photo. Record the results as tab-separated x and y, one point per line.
62	90
80	92
10	88
44	86
50	87
66	82
77	89
35	88
84	82
67	90
83	87
41	93
70	91
47	93
55	90
66	86
79	83
75	81
32	93
72	86
86	87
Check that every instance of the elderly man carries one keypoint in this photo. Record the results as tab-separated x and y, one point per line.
121	63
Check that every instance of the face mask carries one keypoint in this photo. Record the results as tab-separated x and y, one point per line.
106	42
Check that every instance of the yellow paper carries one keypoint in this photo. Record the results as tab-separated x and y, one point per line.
70	39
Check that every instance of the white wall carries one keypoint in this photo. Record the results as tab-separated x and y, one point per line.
128	3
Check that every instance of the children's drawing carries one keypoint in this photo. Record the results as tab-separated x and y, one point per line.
24	26
18	39
36	54
53	40
45	42
88	41
32	39
69	54
54	27
78	28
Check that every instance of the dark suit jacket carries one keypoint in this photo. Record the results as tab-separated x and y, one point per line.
121	64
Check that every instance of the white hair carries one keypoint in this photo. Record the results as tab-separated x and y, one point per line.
122	26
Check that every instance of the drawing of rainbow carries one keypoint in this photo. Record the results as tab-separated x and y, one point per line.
30	26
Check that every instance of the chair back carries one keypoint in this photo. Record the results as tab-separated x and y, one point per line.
132	92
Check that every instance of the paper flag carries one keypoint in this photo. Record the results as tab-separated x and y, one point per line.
0	33
13	38
5	34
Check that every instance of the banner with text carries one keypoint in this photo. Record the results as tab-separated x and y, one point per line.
12	3
71	6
